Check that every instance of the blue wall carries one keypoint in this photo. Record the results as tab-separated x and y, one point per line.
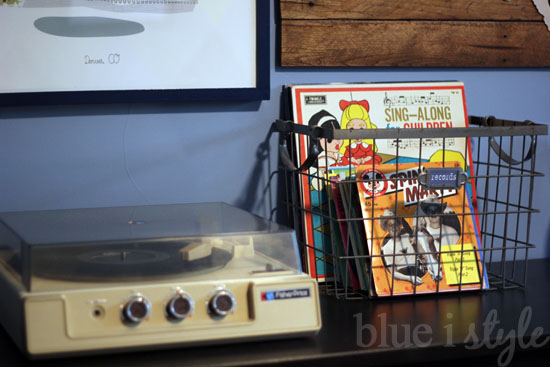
131	154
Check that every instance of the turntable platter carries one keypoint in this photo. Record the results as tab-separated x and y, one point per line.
105	263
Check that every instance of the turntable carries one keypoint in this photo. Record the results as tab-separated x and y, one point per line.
106	279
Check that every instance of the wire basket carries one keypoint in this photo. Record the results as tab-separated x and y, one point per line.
374	243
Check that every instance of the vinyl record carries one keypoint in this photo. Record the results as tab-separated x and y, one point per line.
122	262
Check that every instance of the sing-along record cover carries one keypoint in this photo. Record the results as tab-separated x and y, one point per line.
421	240
431	105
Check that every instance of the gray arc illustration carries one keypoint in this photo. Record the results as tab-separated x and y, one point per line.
87	26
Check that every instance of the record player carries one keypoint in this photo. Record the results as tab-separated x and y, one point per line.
105	279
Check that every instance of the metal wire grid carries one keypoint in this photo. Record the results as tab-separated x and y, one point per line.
504	195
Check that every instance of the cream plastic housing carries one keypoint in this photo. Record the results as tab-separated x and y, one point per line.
107	279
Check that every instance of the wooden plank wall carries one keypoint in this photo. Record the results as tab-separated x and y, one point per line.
419	33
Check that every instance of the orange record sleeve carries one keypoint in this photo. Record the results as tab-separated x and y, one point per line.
420	240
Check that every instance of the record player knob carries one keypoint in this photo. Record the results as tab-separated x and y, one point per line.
222	303
180	306
136	309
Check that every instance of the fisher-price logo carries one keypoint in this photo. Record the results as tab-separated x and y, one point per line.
285	294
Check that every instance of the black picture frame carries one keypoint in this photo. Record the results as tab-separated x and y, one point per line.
260	92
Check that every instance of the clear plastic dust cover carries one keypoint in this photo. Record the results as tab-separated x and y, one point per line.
79	248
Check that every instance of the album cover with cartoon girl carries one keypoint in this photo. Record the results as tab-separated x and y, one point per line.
438	105
421	240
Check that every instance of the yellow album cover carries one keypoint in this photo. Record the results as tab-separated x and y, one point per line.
421	240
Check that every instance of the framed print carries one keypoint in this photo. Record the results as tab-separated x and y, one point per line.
112	51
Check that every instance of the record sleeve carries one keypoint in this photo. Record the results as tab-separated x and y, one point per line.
421	240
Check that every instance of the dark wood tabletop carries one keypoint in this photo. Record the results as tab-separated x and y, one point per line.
500	327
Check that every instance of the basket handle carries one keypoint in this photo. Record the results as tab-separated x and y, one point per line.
488	121
493	121
314	151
